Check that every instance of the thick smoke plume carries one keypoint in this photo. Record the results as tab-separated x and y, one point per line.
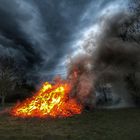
118	55
114	59
81	77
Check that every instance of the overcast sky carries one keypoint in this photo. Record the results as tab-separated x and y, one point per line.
41	34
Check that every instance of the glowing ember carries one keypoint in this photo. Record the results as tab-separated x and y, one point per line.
49	101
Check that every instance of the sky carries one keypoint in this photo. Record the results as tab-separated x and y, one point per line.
42	34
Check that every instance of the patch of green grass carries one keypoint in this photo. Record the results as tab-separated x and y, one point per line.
119	124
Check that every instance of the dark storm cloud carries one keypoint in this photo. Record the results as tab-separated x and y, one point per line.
39	30
38	33
61	19
13	37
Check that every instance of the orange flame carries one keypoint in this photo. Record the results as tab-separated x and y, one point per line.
49	101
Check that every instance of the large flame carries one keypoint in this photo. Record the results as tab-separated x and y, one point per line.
49	101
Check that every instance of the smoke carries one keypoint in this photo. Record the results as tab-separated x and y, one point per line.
118	55
113	54
81	77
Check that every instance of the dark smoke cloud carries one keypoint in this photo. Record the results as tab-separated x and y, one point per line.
114	56
118	55
115	51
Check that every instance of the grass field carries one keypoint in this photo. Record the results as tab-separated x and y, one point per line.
120	124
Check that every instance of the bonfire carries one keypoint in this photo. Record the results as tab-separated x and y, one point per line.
50	101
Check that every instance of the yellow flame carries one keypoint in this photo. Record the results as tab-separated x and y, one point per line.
49	101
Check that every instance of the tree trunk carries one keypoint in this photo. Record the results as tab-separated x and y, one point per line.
3	101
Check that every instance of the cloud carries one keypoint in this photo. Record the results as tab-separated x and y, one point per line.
41	34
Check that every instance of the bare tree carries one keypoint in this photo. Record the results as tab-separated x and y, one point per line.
7	77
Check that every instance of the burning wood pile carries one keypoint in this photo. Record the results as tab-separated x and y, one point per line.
50	101
63	98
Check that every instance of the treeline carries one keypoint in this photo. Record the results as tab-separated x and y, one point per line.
13	84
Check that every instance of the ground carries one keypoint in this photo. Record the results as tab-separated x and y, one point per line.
100	124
